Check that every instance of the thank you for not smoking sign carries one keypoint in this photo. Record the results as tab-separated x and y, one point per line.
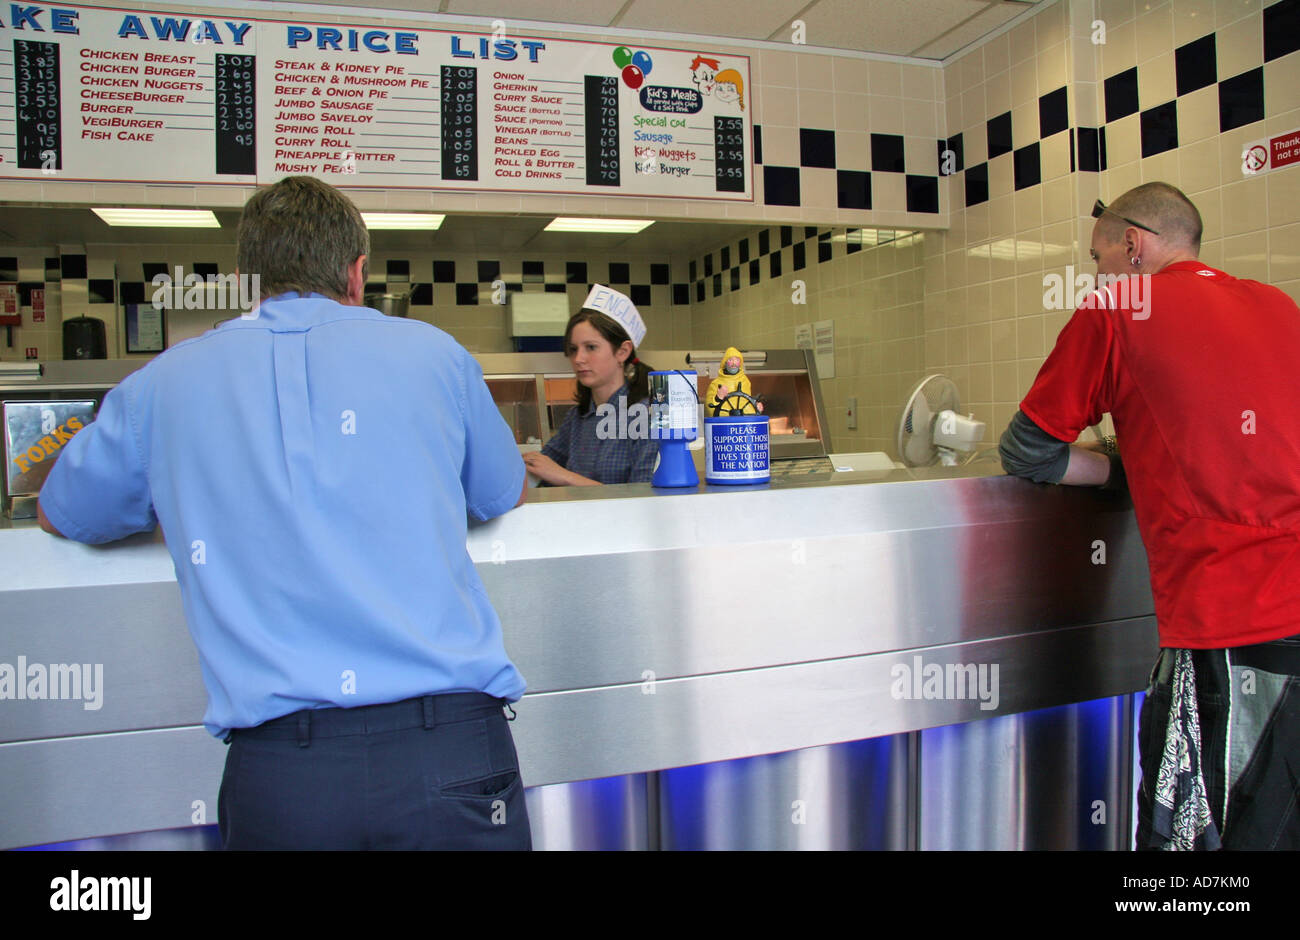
1274	153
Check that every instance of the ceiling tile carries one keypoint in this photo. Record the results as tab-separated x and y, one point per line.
970	32
895	26
712	17
582	12
901	27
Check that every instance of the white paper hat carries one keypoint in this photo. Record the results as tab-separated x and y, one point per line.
618	307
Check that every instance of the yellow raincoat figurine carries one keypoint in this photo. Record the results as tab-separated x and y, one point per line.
731	379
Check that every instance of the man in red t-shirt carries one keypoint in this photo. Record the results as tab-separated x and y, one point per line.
1199	371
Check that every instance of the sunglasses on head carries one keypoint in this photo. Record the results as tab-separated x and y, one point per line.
1099	207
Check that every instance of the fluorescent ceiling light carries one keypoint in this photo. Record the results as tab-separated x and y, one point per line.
159	218
427	221
1014	249
620	226
871	236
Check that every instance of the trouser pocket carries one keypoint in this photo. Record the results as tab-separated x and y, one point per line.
488	807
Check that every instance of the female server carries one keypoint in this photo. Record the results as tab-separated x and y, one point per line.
591	447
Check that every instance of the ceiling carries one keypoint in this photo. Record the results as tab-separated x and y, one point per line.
929	29
26	225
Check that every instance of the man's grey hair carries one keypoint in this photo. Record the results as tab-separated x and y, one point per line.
1162	207
301	235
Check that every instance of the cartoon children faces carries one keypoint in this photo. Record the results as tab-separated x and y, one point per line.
730	87
702	72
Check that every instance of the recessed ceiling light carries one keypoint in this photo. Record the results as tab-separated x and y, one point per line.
1013	249
619	226
871	236
159	218
427	221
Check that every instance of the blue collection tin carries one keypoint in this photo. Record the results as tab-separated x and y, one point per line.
737	449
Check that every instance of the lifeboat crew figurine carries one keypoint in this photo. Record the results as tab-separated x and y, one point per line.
732	379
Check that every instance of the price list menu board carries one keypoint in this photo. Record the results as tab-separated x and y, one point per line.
94	93
444	110
538	130
601	114
459	122
729	147
235	93
37	114
348	111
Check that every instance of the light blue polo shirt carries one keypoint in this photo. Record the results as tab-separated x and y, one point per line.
311	467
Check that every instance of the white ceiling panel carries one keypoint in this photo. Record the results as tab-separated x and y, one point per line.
714	17
582	12
895	26
921	28
414	6
968	33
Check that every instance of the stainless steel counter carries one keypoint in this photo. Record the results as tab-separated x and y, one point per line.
656	629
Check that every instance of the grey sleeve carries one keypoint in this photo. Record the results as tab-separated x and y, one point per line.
1029	451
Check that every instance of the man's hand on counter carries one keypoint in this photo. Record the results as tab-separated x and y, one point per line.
44	520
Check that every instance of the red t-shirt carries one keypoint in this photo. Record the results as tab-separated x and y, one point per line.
1201	373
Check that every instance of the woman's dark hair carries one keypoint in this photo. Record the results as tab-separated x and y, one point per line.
636	373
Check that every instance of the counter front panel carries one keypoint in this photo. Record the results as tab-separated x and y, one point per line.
655	629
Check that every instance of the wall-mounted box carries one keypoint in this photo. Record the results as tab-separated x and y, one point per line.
538	314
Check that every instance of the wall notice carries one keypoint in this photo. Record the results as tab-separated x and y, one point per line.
824	348
1261	156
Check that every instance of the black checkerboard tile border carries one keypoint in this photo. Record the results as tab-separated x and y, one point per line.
1087	149
9	271
449	283
782	185
138	292
786	248
1241	102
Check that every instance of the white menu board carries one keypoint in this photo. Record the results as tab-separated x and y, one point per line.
105	94
88	93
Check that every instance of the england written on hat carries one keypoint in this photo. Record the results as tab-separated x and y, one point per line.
619	307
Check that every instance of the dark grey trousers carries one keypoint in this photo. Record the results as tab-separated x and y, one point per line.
1248	705
437	772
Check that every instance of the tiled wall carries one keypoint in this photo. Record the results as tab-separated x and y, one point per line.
756	290
1173	94
847	139
1039	122
452	291
41	270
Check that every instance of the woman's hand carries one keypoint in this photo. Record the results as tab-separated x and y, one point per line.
546	469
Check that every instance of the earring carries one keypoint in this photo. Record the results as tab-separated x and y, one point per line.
1135	261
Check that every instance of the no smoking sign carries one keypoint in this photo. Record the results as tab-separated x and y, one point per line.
1261	156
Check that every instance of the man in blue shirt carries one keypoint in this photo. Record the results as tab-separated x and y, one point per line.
312	464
